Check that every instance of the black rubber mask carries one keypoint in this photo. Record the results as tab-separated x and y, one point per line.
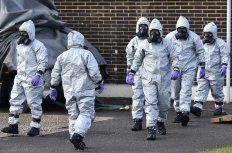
154	36
143	31
208	38
182	33
24	38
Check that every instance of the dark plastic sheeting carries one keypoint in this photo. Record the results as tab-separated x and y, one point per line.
49	29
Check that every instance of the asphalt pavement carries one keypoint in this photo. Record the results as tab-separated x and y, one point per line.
111	133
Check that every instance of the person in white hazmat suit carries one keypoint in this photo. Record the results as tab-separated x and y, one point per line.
32	60
78	70
190	53
138	95
216	59
157	58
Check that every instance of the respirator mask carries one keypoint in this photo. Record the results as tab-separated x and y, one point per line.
143	31
182	33
208	38
154	36
24	38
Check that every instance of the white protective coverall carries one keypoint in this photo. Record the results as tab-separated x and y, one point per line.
156	61
138	95
190	53
79	72
216	54
31	58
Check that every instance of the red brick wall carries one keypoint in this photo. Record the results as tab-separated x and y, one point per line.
109	25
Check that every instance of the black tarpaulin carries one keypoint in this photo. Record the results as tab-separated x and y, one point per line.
49	29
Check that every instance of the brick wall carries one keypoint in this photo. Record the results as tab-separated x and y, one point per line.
109	25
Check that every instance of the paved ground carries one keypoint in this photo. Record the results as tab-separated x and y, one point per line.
111	133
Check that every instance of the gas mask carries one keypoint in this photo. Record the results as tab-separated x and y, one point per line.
24	38
182	33
154	36
208	38
143	31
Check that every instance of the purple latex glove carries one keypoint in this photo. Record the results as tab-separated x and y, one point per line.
130	79
223	70
101	88
53	94
174	75
35	80
202	73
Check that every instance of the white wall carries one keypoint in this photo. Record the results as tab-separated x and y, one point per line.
123	90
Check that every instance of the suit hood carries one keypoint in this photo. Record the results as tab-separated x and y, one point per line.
142	20
75	39
29	27
182	22
155	24
211	27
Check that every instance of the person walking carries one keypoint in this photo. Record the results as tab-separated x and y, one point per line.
32	60
216	57
159	64
138	95
190	53
78	70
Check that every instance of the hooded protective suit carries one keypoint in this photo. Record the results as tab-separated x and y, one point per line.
138	95
156	61
79	72
31	59
216	55
190	53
